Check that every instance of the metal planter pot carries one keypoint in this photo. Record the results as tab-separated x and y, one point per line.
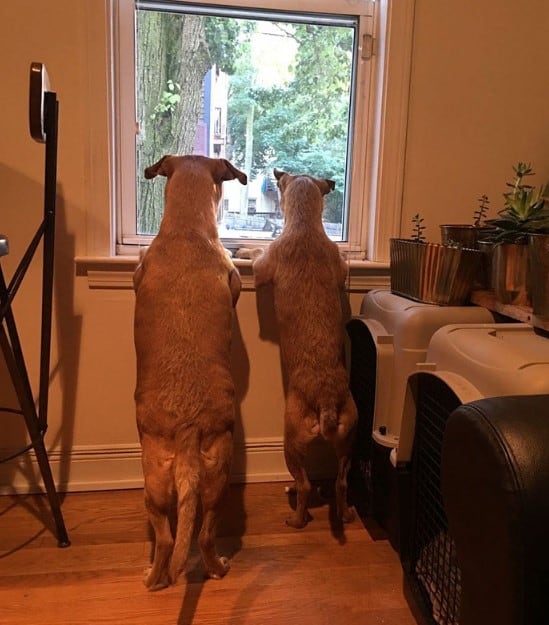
538	257
465	235
510	268
432	273
484	280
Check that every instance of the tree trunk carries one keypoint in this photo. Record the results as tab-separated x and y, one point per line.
172	50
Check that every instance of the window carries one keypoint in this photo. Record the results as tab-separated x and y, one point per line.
252	206
304	104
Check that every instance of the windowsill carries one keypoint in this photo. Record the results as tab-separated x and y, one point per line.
115	272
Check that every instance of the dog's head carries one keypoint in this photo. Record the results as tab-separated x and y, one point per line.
220	168
194	170
302	195
283	179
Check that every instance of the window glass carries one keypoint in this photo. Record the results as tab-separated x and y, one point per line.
262	89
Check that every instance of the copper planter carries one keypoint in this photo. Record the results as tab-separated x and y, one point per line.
465	235
538	258
510	273
432	273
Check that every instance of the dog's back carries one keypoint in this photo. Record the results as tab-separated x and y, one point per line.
184	300
308	274
182	328
186	287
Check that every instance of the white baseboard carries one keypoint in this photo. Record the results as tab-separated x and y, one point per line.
106	467
84	468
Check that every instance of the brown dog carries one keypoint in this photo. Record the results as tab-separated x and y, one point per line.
308	275
186	287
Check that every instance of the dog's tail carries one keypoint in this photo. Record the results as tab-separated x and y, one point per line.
329	419
186	476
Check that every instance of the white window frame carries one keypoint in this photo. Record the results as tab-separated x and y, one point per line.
378	154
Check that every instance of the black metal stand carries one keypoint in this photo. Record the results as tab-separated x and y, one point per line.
36	420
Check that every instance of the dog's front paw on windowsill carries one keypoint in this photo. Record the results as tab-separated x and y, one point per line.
248	253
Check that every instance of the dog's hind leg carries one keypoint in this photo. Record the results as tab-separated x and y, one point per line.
157	470
215	471
343	446
300	428
344	512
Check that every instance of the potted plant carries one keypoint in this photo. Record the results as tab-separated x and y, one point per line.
524	213
431	272
468	235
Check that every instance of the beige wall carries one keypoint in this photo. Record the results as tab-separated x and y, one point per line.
478	103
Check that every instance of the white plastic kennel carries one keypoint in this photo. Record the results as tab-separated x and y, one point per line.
387	341
474	361
464	363
393	334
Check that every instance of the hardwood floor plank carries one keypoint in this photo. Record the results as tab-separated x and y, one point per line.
321	575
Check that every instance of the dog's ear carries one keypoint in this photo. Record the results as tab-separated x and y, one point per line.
282	179
278	173
225	170
159	169
326	186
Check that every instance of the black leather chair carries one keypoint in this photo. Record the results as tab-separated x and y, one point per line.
495	485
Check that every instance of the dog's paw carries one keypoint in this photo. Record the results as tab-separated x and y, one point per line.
348	515
155	582
324	492
298	522
249	253
221	569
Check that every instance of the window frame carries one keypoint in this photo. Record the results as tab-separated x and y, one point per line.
380	118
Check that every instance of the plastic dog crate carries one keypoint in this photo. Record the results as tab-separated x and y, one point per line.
464	363
388	339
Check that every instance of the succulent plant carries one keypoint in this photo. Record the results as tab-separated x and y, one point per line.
417	233
480	213
524	211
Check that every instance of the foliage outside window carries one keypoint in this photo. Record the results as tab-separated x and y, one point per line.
263	91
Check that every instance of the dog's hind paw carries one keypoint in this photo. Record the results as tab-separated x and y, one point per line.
221	569
155	582
298	522
348	515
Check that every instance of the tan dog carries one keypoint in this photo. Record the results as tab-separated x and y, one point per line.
308	274
186	287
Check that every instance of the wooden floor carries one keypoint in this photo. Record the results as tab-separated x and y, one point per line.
321	575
